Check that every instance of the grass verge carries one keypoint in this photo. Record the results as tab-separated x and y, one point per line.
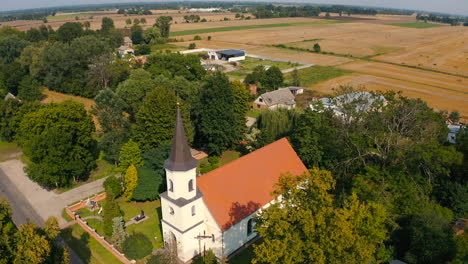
417	25
87	248
315	74
222	29
8	150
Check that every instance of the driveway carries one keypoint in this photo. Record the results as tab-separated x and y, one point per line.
30	201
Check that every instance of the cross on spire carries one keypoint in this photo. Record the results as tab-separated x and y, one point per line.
180	158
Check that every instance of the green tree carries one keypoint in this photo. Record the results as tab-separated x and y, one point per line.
149	185
29	90
273	78
136	21
275	124
128	21
306	226
192	46
217	123
58	140
130	154
175	64
118	234
137	33
11	48
11	75
131	181
156	119
241	104
31	245
111	210
113	186
152	35
134	89
317	48
7	232
69	31
257	76
107	24
164	25
296	78
137	246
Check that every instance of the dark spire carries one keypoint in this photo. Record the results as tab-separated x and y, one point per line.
180	158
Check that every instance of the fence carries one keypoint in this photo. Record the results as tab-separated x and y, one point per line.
71	212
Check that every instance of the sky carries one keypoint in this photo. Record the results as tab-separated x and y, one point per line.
459	7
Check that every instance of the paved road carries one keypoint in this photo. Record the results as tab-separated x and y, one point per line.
29	201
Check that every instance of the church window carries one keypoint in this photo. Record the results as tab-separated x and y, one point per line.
171	210
250	227
193	210
171	186
190	185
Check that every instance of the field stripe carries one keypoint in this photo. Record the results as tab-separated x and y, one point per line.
235	28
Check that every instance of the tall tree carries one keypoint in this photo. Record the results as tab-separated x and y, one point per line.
164	25
137	34
111	210
32	246
296	78
306	227
11	48
175	64
69	31
58	140
134	89
118	234
130	154
131	182
29	89
241	104
107	24
217	124
156	119
273	78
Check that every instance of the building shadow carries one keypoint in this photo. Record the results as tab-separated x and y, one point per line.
238	211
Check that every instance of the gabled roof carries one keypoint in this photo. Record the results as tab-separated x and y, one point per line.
180	158
127	39
239	188
280	96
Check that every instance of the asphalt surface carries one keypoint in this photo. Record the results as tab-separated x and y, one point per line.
23	211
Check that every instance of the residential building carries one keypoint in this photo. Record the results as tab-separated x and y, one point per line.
281	98
227	55
215	211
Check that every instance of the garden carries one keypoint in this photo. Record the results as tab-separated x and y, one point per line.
248	65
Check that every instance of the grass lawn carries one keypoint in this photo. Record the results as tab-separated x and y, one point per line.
248	65
96	224
89	250
8	150
253	113
315	74
68	16
221	29
417	25
166	46
151	227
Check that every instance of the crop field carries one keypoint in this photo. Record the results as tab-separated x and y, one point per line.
417	25
74	16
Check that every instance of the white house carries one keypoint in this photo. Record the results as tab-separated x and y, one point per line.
281	98
125	50
452	134
214	211
227	55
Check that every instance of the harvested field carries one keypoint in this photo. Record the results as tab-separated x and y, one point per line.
300	56
315	74
440	91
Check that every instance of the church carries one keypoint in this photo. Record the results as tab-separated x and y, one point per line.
215	210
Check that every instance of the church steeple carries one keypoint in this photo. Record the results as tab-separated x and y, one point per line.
180	158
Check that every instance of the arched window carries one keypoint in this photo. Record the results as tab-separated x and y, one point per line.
171	186
193	211
171	210
190	185
250	227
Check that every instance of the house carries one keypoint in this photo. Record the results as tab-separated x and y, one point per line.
215	211
127	42
281	98
362	101
296	90
126	50
452	134
227	55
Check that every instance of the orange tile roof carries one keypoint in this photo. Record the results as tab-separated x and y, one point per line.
239	188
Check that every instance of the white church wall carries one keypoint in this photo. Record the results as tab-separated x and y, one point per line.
236	235
182	217
212	227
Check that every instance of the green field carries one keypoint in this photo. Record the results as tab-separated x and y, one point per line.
68	16
315	74
417	25
221	29
89	250
250	63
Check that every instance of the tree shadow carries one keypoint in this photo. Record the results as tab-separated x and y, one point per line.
79	245
238	211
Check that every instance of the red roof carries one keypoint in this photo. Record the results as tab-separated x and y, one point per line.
237	189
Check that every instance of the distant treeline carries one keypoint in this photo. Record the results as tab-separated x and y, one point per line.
26	15
441	19
270	11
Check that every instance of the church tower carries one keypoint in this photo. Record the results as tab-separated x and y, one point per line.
181	204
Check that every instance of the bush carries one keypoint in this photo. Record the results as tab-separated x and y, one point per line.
113	186
317	48
203	20
197	37
192	46
143	49
148	187
137	246
209	37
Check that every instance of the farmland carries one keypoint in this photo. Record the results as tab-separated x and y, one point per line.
417	25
